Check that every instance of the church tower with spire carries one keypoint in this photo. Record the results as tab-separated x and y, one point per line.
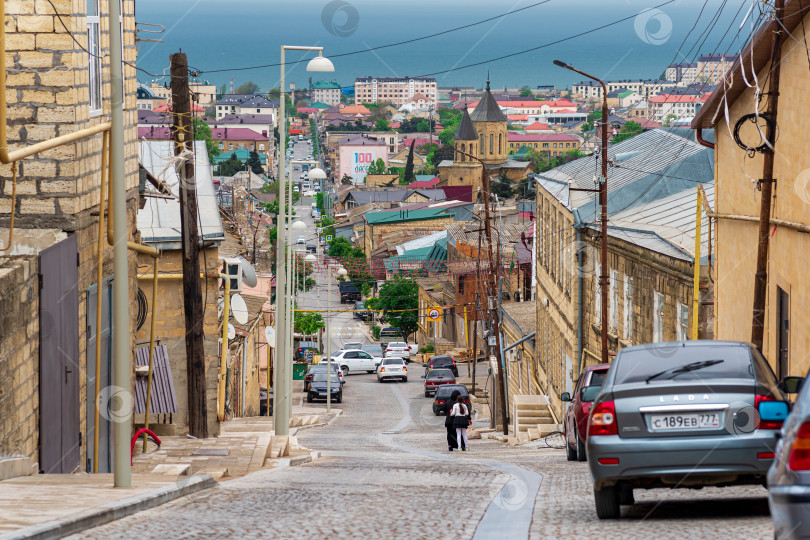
466	138
490	126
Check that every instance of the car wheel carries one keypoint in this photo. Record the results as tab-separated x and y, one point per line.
339	398
607	502
309	398
570	453
581	454
626	495
345	370
369	371
404	379
427	394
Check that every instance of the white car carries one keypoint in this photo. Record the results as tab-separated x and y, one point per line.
355	360
351	345
301	240
398	349
392	368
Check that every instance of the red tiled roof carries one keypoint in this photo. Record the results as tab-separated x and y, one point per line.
417	96
567	111
237	134
308	110
424	184
539	137
355	109
530	103
147	132
518	117
537	126
419	142
646	123
669	98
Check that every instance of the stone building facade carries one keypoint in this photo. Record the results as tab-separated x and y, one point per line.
55	87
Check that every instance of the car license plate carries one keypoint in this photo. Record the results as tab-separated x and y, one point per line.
691	421
395	369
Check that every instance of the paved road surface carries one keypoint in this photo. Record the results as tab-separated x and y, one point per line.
387	474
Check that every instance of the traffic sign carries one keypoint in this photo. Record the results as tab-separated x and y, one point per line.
328	238
434	314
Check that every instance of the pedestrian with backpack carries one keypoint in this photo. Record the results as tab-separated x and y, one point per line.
461	420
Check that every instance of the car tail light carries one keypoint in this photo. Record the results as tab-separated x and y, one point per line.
382	369
765	455
608	461
404	368
603	420
799	457
761	424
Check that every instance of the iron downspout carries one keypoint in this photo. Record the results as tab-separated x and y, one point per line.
580	283
223	360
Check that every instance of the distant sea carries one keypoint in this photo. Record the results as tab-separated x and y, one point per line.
225	35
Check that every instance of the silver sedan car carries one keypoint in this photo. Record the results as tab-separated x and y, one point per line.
682	414
789	476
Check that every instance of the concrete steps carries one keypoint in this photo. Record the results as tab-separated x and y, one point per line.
533	418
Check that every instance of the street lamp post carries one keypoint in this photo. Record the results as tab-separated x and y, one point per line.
604	278
283	390
341	272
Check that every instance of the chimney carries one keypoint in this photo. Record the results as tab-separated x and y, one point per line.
264	133
226	133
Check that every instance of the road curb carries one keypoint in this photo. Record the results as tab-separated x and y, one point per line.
95	517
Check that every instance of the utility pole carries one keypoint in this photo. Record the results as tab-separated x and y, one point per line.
477	310
192	291
604	279
766	183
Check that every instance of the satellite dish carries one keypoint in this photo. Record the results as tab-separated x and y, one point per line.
231	331
248	273
270	336
239	309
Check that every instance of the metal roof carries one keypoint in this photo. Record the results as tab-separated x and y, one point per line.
663	163
466	129
488	109
406	214
671	218
421	242
159	219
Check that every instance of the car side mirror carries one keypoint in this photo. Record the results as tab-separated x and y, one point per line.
565	396
791	385
772	411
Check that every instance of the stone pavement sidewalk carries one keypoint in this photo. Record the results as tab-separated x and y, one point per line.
52	506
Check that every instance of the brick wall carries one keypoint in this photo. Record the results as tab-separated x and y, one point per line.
19	358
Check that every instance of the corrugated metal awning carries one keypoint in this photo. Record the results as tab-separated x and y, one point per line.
163	399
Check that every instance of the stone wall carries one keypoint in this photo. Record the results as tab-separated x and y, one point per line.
19	358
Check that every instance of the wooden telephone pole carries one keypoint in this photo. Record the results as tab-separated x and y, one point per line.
766	182
192	290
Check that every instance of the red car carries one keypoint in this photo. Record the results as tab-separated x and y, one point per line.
575	423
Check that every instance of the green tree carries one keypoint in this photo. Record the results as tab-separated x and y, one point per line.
254	163
502	187
223	89
629	129
346	180
340	247
319	202
309	323
274	93
526	92
249	87
365	290
668	119
380	165
381	125
409	177
202	132
423	126
399	299
230	166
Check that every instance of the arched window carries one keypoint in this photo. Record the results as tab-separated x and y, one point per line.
491	143
481	146
500	143
462	156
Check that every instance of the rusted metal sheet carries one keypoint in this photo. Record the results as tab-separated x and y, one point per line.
163	396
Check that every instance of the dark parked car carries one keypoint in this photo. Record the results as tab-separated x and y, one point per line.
263	402
682	414
317	388
312	248
360	311
434	378
349	292
575	422
321	368
442	361
441	401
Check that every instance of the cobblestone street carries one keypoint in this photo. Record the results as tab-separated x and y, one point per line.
387	474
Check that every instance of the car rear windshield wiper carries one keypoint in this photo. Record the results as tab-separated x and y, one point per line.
694	366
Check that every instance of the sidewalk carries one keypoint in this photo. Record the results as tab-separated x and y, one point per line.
52	506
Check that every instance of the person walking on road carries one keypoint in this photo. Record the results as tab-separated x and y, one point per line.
461	421
449	424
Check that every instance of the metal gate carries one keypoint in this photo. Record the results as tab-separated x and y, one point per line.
105	335
60	439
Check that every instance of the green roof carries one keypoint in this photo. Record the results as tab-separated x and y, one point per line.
521	153
320	105
325	85
400	216
418	256
625	94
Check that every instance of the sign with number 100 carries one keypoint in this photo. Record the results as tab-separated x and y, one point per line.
363	157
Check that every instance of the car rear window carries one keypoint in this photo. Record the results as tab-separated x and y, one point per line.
440	373
598	378
399	344
640	364
447	390
441	361
393	361
389	332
